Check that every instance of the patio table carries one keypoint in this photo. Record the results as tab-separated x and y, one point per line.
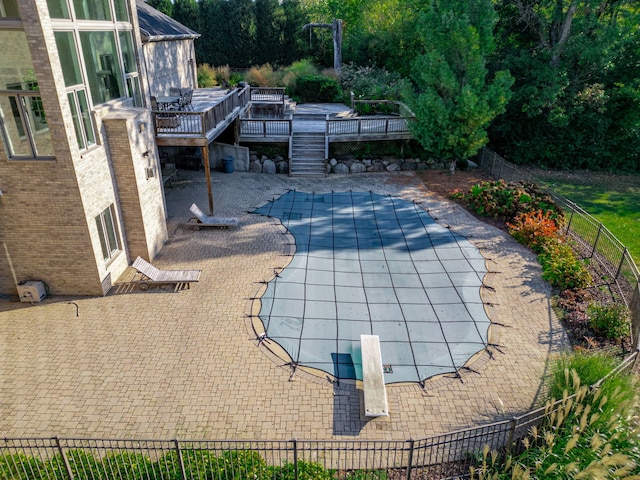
165	102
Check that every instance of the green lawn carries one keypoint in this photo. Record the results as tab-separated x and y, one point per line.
613	200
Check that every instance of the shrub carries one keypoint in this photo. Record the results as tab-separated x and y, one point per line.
561	268
372	83
18	466
263	76
301	68
206	76
534	229
306	471
503	200
316	88
610	320
132	466
586	435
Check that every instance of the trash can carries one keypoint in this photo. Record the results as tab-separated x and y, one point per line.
227	164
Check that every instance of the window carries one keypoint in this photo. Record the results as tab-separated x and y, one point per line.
9	9
107	233
122	15
81	118
130	69
92	9
23	121
103	67
76	91
58	9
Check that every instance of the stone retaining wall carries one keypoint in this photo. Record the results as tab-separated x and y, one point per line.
278	164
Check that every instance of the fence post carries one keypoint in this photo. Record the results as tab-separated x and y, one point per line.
65	460
512	433
183	473
570	220
624	252
410	461
596	240
295	458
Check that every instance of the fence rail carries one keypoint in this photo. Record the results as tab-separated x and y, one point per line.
592	238
596	241
443	456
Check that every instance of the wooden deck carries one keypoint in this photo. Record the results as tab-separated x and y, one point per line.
214	110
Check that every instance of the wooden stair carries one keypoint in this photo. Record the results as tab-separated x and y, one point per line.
308	155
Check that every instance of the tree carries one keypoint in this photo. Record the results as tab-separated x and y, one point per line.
268	20
187	12
454	98
165	6
576	100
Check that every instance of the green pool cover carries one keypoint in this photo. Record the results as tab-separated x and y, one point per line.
370	264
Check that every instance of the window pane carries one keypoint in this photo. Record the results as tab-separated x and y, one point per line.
15	59
86	118
103	240
103	67
111	231
15	139
76	120
133	88
58	8
128	55
92	9
39	127
9	9
68	58
121	10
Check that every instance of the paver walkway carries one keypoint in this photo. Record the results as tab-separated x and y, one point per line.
159	364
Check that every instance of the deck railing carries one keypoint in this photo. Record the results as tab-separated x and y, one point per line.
268	94
441	456
265	127
198	123
375	125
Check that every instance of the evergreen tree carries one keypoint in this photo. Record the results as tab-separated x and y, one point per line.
268	20
454	97
165	6
187	12
293	41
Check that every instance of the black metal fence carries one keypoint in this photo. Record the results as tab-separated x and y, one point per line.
447	456
592	238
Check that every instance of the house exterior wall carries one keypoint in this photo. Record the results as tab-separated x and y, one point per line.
48	209
140	188
170	64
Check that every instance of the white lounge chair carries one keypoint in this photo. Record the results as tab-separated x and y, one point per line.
202	220
148	275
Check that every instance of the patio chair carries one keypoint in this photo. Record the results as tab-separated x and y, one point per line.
203	220
186	96
148	275
164	120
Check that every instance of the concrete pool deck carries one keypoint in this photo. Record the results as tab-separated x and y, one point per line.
160	365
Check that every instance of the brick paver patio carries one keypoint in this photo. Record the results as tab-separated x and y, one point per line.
162	365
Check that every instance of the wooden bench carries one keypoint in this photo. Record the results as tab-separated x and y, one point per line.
375	393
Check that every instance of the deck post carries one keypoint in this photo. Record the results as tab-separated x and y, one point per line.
207	172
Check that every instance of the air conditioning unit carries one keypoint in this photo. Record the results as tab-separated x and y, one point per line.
31	291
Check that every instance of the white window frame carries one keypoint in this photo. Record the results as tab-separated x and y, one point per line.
108	233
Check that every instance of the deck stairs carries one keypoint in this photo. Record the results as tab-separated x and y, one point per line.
308	156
